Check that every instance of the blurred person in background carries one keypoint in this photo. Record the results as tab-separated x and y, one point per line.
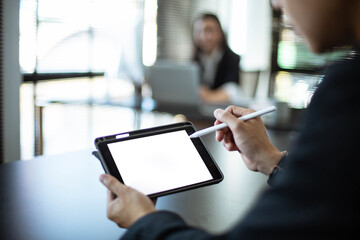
219	65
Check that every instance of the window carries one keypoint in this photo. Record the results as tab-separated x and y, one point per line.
296	70
293	54
76	36
94	44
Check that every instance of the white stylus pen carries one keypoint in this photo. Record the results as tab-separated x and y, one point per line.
223	125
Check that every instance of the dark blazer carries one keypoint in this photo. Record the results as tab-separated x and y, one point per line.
228	69
317	194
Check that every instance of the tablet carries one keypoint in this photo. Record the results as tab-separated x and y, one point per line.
158	161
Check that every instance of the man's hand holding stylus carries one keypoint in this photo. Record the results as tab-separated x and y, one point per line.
249	138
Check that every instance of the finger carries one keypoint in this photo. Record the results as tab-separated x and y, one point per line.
110	197
224	130
217	122
238	111
228	146
227	117
112	184
231	114
229	143
219	134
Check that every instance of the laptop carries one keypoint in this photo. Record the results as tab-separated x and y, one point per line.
174	83
175	89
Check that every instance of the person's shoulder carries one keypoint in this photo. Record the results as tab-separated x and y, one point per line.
341	75
338	89
346	69
228	53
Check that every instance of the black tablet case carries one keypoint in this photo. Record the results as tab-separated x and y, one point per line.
154	130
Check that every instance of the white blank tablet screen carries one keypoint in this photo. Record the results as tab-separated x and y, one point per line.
158	163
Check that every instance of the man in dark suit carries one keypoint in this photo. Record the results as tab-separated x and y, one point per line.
315	190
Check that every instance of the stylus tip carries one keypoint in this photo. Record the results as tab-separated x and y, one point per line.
194	135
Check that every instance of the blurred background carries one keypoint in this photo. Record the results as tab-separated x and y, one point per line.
83	66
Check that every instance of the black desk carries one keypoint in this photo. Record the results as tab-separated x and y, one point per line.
56	197
60	197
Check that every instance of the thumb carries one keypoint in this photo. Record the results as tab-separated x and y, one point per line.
226	117
112	184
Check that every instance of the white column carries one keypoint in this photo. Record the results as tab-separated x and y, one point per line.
11	81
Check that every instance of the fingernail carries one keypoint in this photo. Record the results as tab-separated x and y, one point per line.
102	178
217	112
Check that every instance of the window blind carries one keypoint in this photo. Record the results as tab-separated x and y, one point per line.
175	19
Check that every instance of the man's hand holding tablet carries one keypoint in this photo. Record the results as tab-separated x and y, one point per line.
128	205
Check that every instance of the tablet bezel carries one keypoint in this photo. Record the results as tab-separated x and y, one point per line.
110	167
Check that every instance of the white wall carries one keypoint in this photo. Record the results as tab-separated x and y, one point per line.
12	80
257	54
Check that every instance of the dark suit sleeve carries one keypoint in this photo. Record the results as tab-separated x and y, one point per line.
317	194
276	173
164	225
314	197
